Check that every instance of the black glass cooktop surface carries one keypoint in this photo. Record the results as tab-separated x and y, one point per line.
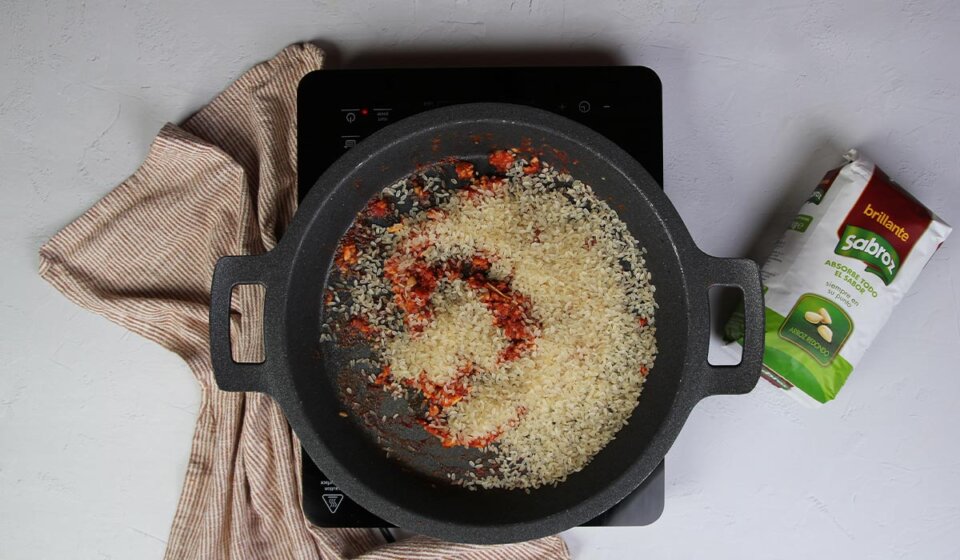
339	108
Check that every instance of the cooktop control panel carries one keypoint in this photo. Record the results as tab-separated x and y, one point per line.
339	108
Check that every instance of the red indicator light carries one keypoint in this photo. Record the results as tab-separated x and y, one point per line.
364	111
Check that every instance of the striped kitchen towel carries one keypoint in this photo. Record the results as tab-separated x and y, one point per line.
222	183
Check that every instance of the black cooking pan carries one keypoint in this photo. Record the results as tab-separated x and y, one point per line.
305	377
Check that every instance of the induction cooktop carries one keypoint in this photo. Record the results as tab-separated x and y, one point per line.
337	109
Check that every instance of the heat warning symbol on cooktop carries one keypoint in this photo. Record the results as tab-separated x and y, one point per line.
333	501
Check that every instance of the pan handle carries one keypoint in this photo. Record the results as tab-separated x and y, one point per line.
743	274
230	272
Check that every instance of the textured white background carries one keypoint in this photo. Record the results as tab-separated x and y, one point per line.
759	100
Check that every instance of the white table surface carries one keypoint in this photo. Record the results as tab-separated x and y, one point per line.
760	98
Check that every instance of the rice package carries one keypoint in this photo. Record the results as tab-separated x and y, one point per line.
852	252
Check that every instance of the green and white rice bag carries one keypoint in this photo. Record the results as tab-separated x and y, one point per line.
852	252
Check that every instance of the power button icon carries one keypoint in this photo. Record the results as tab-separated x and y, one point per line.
584	106
351	117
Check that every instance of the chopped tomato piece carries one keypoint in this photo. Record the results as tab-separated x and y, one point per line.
378	208
501	160
464	170
532	167
347	256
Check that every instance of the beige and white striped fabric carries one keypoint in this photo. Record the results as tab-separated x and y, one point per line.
222	183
